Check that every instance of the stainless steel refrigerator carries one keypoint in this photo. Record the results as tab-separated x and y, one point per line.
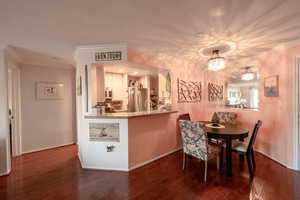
137	99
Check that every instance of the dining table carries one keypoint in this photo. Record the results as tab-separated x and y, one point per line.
226	133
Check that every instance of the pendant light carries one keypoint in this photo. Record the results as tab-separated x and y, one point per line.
248	75
216	62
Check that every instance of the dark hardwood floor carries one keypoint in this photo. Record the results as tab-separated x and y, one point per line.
56	174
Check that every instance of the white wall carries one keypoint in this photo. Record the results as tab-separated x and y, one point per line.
97	84
47	123
4	132
100	79
93	154
115	81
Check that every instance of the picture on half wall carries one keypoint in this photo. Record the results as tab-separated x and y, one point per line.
271	88
104	132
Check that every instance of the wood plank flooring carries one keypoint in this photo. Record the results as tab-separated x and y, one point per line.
57	174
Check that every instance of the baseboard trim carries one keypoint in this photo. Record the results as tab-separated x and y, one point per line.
98	168
154	159
47	148
274	159
104	168
131	168
5	173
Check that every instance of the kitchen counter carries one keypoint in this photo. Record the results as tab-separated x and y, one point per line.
128	114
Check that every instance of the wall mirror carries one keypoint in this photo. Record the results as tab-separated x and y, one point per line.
242	91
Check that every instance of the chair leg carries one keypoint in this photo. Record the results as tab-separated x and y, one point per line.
205	173
253	159
249	165
183	161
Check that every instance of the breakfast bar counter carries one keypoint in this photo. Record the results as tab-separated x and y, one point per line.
129	114
124	141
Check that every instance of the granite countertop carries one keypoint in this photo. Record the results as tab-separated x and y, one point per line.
128	114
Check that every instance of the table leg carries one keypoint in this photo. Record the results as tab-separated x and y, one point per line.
241	156
228	157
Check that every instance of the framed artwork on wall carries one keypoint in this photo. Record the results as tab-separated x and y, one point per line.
49	91
215	92
271	86
188	91
104	132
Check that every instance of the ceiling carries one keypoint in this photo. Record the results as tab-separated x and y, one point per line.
169	28
32	58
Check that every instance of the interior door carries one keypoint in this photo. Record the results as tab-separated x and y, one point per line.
296	136
10	108
298	108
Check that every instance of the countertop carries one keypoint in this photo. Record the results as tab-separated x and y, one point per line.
128	114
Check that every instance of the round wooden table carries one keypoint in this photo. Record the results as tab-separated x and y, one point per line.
229	133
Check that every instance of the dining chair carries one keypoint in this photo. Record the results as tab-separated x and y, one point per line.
195	143
228	118
225	117
246	148
185	116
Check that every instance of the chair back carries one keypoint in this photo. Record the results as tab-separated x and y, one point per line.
194	139
253	136
227	117
185	116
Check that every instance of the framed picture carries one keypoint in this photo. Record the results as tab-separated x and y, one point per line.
104	132
49	91
188	91
271	86
215	92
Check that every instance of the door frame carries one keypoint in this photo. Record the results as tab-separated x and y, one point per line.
296	113
16	109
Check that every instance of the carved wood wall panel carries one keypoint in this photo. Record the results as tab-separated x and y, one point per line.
215	92
189	91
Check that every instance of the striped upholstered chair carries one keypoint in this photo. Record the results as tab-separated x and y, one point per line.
195	143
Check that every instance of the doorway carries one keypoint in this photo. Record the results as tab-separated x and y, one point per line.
296	136
14	110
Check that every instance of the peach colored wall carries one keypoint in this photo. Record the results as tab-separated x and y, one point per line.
275	138
179	69
150	137
153	136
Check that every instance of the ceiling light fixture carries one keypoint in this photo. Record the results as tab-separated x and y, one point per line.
248	75
216	62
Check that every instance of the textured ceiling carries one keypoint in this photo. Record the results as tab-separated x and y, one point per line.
169	28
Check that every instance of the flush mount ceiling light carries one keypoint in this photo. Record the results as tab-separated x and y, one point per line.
216	62
248	75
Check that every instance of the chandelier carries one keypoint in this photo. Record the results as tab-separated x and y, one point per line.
248	75
216	62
